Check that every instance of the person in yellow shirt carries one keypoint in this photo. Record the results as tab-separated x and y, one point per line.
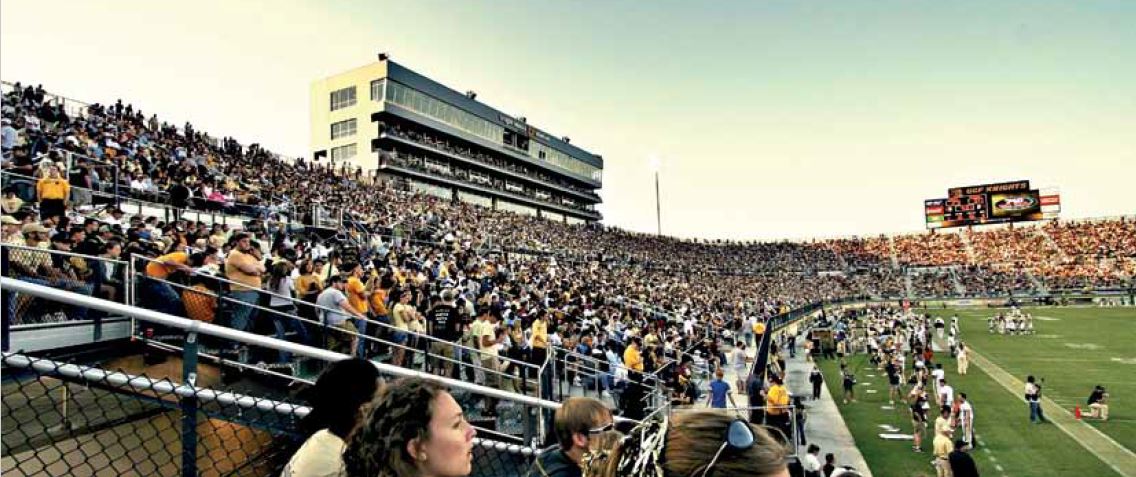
777	406
244	267
53	193
632	358
942	445
357	295
539	338
401	316
159	295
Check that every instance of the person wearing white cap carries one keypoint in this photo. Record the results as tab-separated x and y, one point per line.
12	234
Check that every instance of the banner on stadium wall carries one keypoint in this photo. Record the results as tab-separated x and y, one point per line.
1015	186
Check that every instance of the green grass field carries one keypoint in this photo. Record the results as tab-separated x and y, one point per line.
1074	349
1001	417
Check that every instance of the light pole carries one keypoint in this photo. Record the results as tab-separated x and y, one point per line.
658	208
654	162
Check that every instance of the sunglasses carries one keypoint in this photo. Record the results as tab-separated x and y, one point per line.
739	436
602	429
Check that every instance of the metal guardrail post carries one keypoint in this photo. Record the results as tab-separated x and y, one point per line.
129	289
9	307
188	406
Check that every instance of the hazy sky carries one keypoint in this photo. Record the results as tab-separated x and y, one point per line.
773	119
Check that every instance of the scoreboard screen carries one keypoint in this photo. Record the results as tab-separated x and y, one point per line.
990	204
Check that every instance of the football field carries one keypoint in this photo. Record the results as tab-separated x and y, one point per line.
1073	349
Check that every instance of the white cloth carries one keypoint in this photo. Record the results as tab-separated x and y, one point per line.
320	456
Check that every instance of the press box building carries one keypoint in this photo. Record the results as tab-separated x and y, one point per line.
401	126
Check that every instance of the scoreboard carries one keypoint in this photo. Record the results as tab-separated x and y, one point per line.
991	204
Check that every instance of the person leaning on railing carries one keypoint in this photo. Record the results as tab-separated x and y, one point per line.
335	312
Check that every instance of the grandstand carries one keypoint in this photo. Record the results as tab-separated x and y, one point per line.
143	282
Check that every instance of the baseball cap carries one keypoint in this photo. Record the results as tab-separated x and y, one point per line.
9	220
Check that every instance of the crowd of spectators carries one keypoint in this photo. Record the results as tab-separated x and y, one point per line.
934	250
416	245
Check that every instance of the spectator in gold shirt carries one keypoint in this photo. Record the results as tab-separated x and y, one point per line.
52	192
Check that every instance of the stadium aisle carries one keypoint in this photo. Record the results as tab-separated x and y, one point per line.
825	427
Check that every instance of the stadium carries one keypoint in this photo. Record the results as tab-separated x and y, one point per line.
436	286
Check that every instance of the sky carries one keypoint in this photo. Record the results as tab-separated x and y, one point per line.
770	119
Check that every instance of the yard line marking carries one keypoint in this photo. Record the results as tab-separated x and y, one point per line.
1119	458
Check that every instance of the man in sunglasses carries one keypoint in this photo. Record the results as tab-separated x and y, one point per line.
577	421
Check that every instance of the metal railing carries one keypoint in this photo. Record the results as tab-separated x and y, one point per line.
222	298
195	329
68	419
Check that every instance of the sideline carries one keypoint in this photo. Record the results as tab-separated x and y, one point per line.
1119	458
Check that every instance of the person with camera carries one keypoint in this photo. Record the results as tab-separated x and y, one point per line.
1033	398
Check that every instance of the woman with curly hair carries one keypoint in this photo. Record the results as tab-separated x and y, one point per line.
703	443
413	428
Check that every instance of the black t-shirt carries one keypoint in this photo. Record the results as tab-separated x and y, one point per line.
962	465
446	322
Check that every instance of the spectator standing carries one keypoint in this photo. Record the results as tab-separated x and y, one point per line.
442	323
817	380
777	413
358	294
942	443
963	358
829	464
719	392
488	341
1033	399
738	359
811	464
962	465
335	310
918	404
966	420
244	267
53	193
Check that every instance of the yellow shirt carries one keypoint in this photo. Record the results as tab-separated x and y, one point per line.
401	316
160	271
776	400
48	188
235	260
357	294
539	334
379	302
632	359
307	284
759	328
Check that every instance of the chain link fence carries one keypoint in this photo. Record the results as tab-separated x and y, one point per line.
65	419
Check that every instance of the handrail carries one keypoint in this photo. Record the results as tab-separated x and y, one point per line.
369	321
191	326
324	326
61	252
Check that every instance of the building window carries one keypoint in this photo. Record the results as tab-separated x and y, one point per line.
343	98
427	105
343	153
377	93
343	129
